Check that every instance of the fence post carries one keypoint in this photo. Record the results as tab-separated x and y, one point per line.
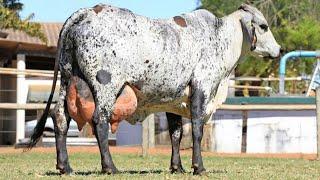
21	89
318	121
151	130
147	134
244	131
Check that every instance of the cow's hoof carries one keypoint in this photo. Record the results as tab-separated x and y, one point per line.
113	170
65	171
177	169
198	170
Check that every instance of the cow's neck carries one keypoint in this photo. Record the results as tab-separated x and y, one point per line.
239	45
246	44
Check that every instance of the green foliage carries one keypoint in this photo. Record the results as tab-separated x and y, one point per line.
251	66
303	35
9	18
14	5
221	7
294	23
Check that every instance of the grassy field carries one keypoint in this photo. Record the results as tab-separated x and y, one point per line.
132	166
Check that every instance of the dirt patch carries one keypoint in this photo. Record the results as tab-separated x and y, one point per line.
159	150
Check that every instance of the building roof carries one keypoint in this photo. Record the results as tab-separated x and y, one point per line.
51	30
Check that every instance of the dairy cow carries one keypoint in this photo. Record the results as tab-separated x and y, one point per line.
118	65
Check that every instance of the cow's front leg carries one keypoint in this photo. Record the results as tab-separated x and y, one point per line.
198	113
175	132
101	129
61	122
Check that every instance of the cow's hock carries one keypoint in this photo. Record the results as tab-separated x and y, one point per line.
81	104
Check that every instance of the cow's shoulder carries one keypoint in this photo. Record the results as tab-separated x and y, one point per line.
204	13
202	18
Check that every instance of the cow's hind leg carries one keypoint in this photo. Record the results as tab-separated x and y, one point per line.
105	88
61	120
175	132
101	118
101	129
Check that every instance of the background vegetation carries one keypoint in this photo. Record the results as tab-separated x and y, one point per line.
295	25
9	18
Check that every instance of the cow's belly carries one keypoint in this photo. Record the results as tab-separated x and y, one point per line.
146	105
175	104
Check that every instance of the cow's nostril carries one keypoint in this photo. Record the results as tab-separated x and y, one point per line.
282	50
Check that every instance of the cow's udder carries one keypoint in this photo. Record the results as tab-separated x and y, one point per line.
81	105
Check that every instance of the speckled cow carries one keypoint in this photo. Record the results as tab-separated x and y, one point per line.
115	64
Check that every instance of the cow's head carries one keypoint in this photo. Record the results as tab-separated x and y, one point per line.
258	32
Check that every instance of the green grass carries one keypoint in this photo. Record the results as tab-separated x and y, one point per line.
87	165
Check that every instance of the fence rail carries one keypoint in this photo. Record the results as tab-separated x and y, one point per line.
48	73
29	106
299	78
266	88
272	107
28	72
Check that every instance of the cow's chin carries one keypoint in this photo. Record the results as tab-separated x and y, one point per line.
269	57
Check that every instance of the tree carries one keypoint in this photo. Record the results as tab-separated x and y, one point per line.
294	23
9	18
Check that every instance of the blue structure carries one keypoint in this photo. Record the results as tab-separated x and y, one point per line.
291	55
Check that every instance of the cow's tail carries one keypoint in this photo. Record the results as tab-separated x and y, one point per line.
39	129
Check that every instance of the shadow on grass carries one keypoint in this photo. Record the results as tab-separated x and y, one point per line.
141	172
88	173
218	171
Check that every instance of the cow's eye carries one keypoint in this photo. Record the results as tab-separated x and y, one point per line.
264	27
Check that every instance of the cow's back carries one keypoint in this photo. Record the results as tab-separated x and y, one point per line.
159	53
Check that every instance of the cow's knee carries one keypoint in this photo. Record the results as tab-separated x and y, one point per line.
197	129
60	121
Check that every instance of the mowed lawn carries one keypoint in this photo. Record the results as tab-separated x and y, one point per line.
17	165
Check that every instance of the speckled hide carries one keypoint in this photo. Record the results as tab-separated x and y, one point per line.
162	60
117	65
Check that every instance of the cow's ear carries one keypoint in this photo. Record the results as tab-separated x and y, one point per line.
249	31
247	28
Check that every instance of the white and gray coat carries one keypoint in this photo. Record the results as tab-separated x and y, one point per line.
178	65
161	58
